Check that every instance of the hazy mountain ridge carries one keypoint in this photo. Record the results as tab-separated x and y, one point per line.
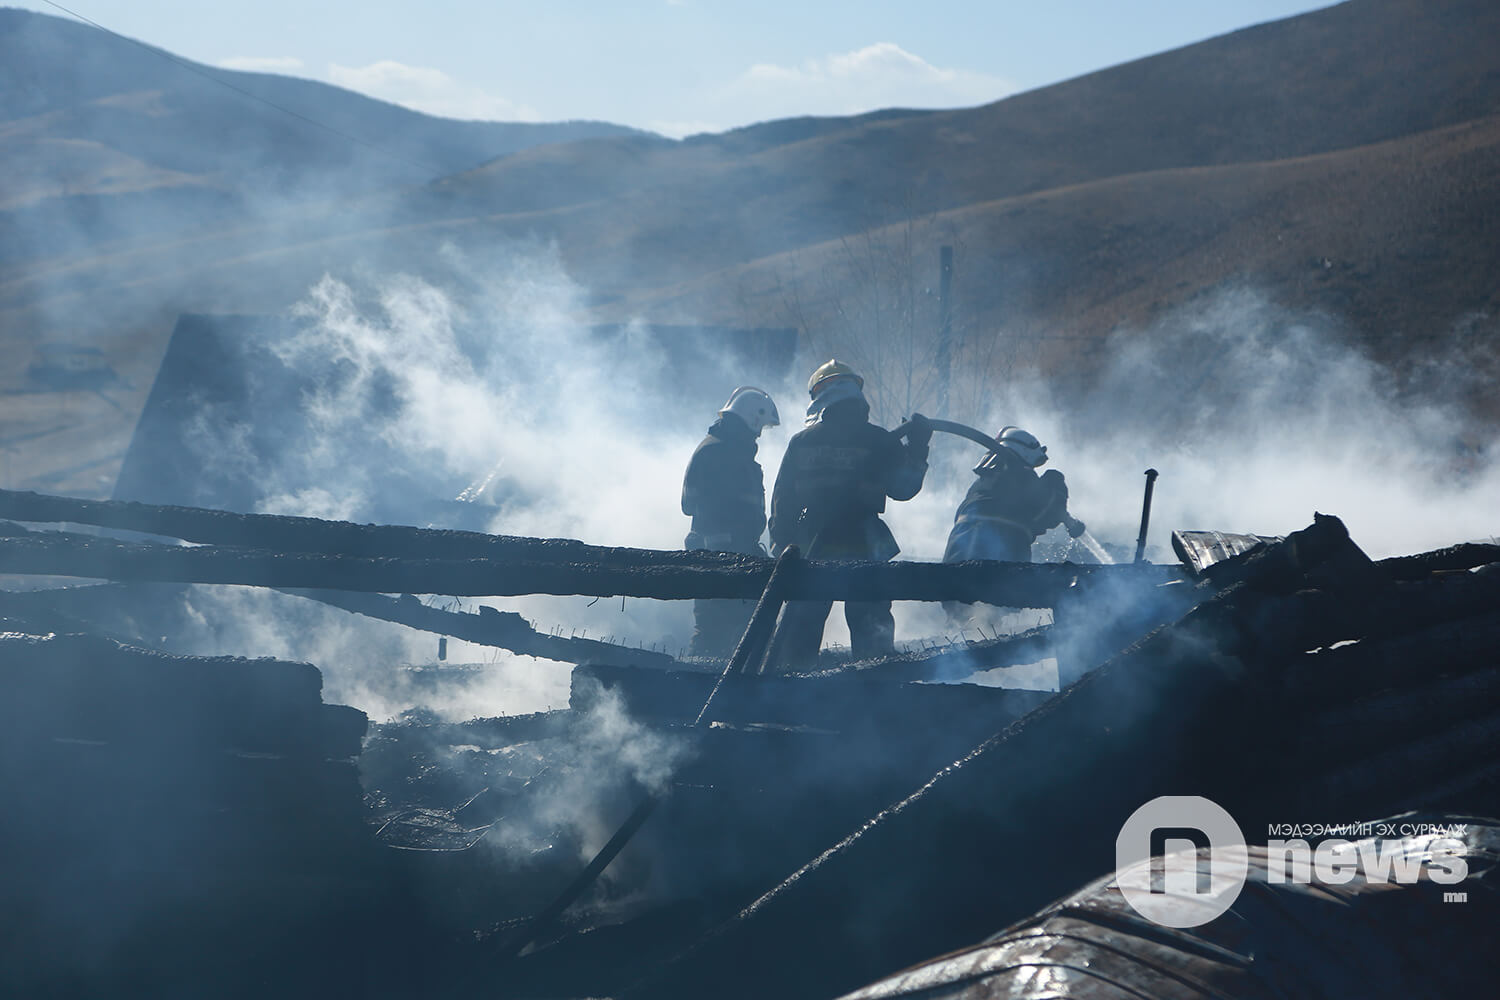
1337	79
63	80
1345	162
1347	76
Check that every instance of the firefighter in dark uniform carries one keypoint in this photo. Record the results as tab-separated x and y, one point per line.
1009	506
724	493
829	495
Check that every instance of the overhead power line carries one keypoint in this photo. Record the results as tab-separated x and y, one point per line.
199	71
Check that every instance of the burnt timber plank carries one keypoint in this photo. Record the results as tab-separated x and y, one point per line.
1356	731
90	688
489	627
1404	767
953	661
309	534
843	702
1410	660
615	573
1316	618
1469	555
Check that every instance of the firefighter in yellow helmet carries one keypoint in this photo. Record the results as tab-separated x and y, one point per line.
831	489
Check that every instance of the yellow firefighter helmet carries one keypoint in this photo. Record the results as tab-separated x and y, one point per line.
831	370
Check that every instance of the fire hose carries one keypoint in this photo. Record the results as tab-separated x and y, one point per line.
1075	527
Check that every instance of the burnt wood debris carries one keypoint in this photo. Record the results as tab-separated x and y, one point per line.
308	553
206	825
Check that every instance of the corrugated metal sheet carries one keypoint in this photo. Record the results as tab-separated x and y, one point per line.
1199	550
1277	942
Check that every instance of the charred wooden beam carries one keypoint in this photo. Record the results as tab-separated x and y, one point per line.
1012	585
62	554
840	702
1472	789
1368	726
615	573
490	627
1320	618
1446	597
1405	767
1469	555
953	661
1404	662
32	611
282	533
493	732
86	687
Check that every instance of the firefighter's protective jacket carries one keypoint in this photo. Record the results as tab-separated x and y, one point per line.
834	481
724	491
1006	509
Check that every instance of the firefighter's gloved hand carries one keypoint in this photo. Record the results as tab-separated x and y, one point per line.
1075	527
1055	507
919	431
1055	486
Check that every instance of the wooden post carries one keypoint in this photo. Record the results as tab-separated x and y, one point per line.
943	362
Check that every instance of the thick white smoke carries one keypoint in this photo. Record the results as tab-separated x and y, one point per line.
492	375
1255	416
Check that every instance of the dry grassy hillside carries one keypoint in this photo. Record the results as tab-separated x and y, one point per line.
1397	238
1345	77
62	80
1343	161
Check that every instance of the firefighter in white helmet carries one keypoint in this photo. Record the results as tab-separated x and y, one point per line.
831	489
724	493
1009	505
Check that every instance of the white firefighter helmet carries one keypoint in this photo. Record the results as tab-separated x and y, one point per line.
1024	444
754	407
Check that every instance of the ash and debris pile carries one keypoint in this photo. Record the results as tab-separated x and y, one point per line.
847	820
164	811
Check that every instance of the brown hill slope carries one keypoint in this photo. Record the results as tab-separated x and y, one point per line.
107	140
1343	161
640	213
60	79
1398	241
1348	76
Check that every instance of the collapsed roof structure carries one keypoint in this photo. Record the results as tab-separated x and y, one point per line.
791	834
182	823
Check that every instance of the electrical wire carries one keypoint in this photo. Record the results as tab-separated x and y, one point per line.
199	71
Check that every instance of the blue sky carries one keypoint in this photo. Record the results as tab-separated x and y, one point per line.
674	66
